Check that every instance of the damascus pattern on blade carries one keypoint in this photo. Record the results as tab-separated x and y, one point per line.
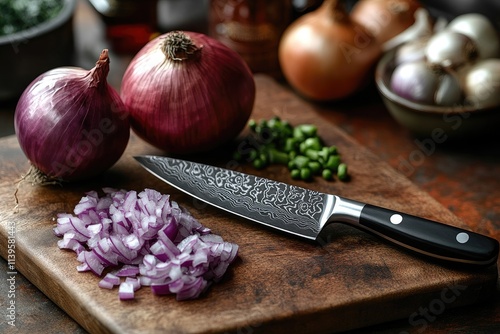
293	209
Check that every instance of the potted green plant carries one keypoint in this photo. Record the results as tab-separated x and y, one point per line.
35	36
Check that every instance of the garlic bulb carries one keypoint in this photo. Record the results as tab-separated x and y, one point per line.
478	28
450	49
481	83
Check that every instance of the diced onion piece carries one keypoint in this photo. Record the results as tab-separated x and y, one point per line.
126	291
128	271
109	281
136	283
150	240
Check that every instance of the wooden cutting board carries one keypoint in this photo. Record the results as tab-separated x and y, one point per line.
279	283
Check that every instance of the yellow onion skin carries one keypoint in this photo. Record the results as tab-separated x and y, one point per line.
71	124
385	19
188	102
326	56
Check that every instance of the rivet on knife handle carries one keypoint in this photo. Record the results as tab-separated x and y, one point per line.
425	236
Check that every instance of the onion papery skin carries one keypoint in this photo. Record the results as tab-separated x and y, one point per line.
326	56
71	124
482	32
481	83
415	81
189	105
385	19
450	49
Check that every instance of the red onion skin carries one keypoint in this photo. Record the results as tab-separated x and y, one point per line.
192	105
71	124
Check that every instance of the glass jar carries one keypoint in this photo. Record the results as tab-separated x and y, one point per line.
252	28
130	24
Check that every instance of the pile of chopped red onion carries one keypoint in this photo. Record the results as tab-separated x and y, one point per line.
146	240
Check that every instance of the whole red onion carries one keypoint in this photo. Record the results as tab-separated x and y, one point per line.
71	124
187	92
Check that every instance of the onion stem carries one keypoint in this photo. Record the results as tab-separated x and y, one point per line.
100	71
398	7
178	46
337	10
422	27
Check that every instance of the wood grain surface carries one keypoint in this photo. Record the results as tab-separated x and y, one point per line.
279	283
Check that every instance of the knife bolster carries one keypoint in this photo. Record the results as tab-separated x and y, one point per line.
346	211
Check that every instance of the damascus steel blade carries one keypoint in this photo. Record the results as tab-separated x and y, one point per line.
285	207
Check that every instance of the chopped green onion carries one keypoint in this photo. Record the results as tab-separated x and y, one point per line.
342	172
278	157
258	164
301	161
305	174
298	134
308	129
253	155
295	174
314	166
327	174
333	150
312	154
252	124
312	143
290	145
275	141
333	162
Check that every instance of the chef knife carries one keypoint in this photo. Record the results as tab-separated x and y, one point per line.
305	212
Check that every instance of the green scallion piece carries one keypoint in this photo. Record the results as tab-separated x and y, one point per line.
342	172
299	148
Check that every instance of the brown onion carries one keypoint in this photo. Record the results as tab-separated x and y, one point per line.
324	55
187	92
385	18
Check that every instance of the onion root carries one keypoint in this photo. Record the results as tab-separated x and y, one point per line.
37	178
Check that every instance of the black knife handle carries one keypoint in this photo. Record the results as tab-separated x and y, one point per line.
429	237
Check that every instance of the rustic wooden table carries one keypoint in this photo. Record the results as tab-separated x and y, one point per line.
463	176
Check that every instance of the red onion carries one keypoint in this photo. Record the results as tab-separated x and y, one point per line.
71	124
187	92
146	239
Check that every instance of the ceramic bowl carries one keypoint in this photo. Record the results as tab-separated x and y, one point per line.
26	54
432	121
